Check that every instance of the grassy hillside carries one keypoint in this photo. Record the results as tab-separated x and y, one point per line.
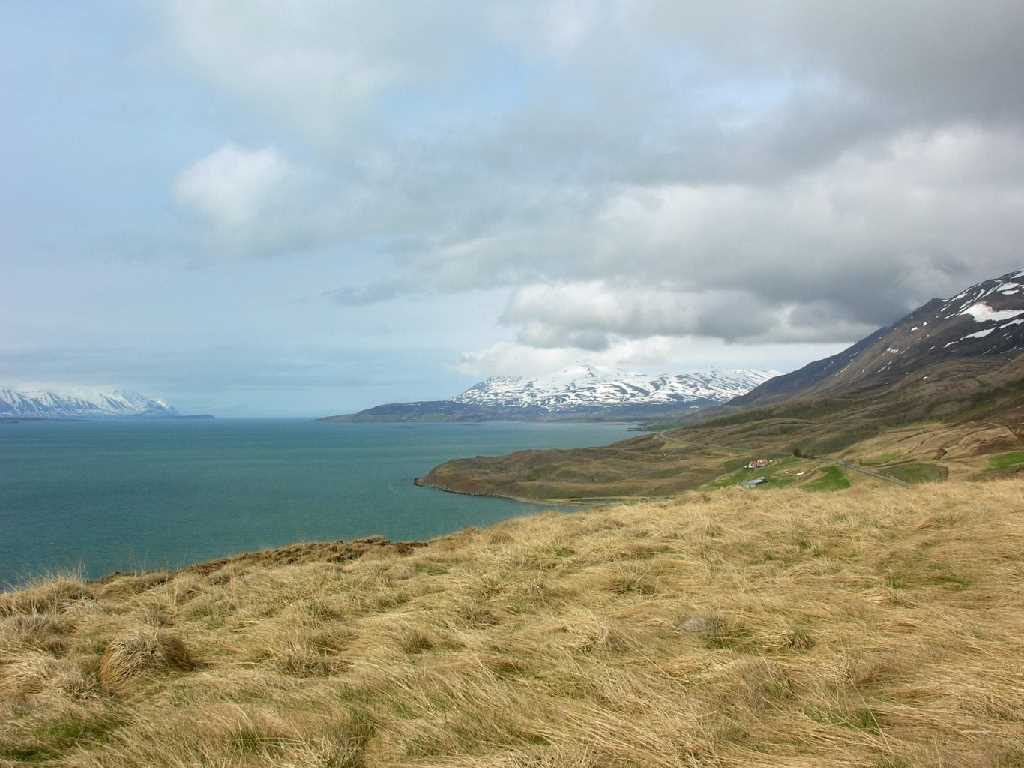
956	416
872	627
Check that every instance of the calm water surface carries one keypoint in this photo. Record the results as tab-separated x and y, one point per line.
123	495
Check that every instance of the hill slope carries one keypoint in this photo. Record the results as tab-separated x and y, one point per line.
878	628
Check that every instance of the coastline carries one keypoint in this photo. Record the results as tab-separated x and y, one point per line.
334	551
238	485
576	504
420	482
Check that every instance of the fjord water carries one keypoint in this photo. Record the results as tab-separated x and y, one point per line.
99	496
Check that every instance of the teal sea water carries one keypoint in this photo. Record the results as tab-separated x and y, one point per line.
129	495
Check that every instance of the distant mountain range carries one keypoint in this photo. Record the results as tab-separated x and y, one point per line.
579	392
80	403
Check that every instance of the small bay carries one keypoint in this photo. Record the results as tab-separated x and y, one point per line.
99	496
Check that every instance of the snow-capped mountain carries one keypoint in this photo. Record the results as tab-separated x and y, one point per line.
79	403
587	386
580	393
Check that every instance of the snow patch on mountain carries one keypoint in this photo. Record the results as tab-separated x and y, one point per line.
979	334
995	304
588	386
80	403
983	313
972	301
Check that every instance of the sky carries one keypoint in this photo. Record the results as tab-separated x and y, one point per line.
304	208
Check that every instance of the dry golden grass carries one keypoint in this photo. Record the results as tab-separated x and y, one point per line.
142	653
876	627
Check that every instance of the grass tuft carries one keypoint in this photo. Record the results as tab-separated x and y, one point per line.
414	641
143	654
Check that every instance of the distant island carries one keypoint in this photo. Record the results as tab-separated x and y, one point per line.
579	393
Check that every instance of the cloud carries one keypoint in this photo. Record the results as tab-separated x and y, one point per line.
233	187
280	55
253	201
372	293
588	315
318	65
656	354
798	173
824	256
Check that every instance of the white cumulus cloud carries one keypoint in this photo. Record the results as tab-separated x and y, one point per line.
233	187
254	201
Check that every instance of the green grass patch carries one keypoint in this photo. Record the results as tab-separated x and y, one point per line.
734	465
628	583
858	719
1004	461
832	479
916	472
896	581
727	481
724	635
25	754
881	460
49	740
430	568
893	762
69	730
840	441
949	579
775	474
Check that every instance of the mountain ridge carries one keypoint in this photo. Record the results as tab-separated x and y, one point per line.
80	403
588	386
579	392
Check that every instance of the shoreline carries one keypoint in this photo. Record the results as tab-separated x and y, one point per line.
576	504
324	487
419	482
329	550
325	550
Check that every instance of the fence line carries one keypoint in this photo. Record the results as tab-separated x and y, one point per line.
877	475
